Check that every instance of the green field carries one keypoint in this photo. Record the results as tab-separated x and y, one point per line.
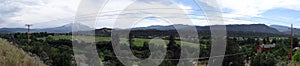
12	56
137	41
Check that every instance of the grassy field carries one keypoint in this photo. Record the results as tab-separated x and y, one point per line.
137	41
57	37
12	56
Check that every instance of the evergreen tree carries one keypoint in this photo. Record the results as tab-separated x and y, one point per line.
296	56
172	42
264	41
263	59
130	39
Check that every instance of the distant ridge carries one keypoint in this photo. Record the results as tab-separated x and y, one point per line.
240	27
255	28
286	29
281	28
61	29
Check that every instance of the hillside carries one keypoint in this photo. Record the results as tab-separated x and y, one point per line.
242	28
12	56
260	28
286	29
281	28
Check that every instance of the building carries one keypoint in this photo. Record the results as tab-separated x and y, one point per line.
265	47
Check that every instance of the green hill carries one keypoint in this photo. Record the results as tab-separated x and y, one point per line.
12	56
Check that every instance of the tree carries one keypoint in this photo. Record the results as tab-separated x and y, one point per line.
146	45
130	41
172	42
173	52
264	41
274	40
263	59
231	49
296	56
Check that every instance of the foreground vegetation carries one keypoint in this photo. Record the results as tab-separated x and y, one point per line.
12	56
56	49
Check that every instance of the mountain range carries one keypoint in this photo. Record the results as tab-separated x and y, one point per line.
259	28
61	29
285	29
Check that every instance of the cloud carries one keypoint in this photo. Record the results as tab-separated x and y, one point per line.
8	9
16	13
165	2
141	8
253	10
255	7
52	13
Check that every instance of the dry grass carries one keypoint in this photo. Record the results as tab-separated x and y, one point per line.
294	64
12	56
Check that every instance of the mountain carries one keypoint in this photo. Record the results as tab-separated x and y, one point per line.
12	30
61	29
243	28
159	27
65	28
261	28
286	29
248	30
281	28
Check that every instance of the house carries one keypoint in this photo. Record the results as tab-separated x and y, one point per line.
265	47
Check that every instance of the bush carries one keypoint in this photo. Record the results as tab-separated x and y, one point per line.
296	56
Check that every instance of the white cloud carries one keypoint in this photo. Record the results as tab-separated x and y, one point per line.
233	9
56	12
148	22
38	11
112	10
235	21
252	8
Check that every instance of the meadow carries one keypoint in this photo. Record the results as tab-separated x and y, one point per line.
139	42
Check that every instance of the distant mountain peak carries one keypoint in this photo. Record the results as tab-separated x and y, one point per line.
261	28
75	24
281	28
69	28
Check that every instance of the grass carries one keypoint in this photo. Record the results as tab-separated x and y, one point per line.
12	56
294	64
57	37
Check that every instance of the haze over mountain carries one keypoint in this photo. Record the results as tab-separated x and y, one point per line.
61	29
159	27
244	28
286	29
255	28
281	28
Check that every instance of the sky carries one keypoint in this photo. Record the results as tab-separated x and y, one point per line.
53	13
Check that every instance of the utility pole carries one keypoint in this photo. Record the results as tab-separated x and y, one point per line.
28	33
292	41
